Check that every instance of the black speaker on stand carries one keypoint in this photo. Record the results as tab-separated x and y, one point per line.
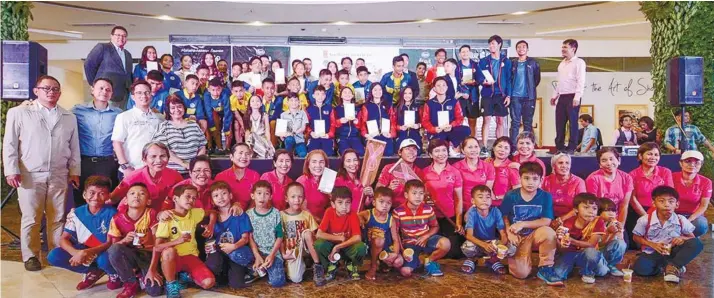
22	63
685	87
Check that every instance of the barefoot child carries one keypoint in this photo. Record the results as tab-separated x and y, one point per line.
381	232
267	235
300	227
132	233
484	229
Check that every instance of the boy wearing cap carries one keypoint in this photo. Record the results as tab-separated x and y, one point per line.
363	82
694	190
395	175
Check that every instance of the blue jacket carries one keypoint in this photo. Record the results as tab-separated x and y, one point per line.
194	105
320	113
275	109
104	62
328	94
532	75
366	87
344	130
430	113
410	132
158	102
139	72
220	107
477	76
171	80
503	82
407	80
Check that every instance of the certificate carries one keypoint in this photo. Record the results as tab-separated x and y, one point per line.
409	118
359	94
281	127
255	80
320	127
280	76
465	122
443	118
386	125
372	128
350	111
327	181
151	65
440	71
467	75
489	77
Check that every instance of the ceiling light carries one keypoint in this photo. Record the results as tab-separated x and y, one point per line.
518	13
341	23
257	23
426	21
165	18
57	33
499	22
73	32
324	30
592	27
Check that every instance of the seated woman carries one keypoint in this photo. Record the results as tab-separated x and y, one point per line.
694	190
563	186
182	136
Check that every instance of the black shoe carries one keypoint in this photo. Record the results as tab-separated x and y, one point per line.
33	264
318	275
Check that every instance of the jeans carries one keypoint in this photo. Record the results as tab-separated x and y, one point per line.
354	253
613	252
125	259
234	264
276	271
300	148
588	260
701	225
456	136
326	145
521	107
566	114
59	257
355	143
651	264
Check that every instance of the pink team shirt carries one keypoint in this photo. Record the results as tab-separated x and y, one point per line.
533	158
644	185
386	177
159	187
240	188
506	178
356	188
563	193
483	173
279	189
691	196
205	201
316	201
614	190
441	187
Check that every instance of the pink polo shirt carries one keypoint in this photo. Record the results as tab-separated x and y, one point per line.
159	187
483	173
517	159
240	188
441	187
356	188
205	201
691	196
279	189
563	193
506	178
385	177
644	185
614	190
316	201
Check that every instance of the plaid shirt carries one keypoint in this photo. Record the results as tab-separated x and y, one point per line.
694	136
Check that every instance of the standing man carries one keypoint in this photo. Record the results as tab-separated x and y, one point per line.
421	80
468	67
432	73
95	122
673	135
526	77
496	94
396	80
568	94
413	82
112	61
41	154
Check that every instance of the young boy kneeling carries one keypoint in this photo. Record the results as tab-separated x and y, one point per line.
381	232
339	234
667	238
300	227
267	235
418	230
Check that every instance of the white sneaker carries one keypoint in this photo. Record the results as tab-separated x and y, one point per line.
588	279
453	153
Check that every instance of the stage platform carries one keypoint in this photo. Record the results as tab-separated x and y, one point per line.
581	166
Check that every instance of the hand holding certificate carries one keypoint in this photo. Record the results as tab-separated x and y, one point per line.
320	128
350	111
151	65
280	76
488	76
372	128
281	127
443	118
327	181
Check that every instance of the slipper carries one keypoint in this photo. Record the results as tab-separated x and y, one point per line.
468	267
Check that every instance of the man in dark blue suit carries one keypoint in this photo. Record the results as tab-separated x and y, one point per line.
110	60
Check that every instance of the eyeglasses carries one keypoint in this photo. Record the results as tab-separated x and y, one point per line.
119	35
47	89
145	93
207	172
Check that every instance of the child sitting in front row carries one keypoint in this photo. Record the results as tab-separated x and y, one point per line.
339	234
419	230
382	234
612	245
484	225
667	238
267	235
300	227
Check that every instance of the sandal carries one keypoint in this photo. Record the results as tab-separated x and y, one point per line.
468	267
498	268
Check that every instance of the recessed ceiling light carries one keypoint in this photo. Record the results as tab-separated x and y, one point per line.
426	21
517	13
257	23
324	29
341	23
165	18
73	32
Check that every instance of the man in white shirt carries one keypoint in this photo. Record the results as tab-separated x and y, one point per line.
41	154
568	94
134	128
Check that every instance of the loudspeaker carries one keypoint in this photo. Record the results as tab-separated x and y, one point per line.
22	63
685	81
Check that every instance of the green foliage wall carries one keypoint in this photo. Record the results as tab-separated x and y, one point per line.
682	28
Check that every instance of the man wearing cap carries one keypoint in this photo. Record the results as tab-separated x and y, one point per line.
395	175
694	190
362	83
673	136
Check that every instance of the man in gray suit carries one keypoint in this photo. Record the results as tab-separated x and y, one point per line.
112	61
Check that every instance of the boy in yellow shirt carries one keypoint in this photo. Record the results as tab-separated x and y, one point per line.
239	105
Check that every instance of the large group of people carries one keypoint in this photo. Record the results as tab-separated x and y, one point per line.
150	214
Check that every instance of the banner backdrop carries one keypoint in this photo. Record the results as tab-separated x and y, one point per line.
244	53
377	59
196	52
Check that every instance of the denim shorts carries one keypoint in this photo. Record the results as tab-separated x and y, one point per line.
430	247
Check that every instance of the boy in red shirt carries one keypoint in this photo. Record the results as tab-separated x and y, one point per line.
339	234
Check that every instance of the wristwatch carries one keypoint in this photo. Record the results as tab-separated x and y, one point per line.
124	166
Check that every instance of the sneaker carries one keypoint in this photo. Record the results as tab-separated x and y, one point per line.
318	275
484	152
173	289
130	290
114	282
433	269
616	272
331	271
250	277
453	153
354	271
90	278
33	264
672	274
184	280
588	279
547	274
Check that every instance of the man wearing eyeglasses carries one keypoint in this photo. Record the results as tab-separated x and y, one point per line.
111	60
41	154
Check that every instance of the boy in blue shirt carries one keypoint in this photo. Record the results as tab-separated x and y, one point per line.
484	229
158	92
219	116
171	80
193	100
527	213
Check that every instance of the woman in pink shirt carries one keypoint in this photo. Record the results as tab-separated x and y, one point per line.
159	179
525	150
563	186
645	178
507	177
348	175
315	201
610	182
445	188
278	178
394	179
694	190
473	170
239	176
200	177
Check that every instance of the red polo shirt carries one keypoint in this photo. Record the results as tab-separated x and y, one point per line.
563	193
483	173
385	177
441	187
279	189
316	201
643	186
240	188
506	178
533	158
614	190
691	196
159	187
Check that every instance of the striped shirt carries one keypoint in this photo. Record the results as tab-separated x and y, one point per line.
414	225
183	142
